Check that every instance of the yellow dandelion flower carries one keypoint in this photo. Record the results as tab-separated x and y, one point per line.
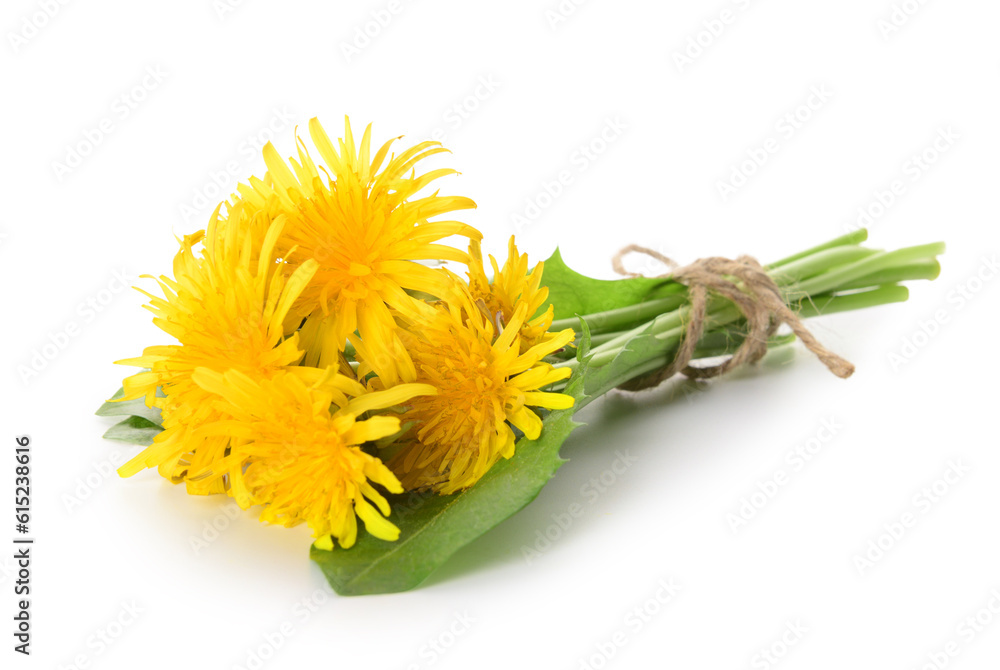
361	220
512	285
299	449
485	384
225	308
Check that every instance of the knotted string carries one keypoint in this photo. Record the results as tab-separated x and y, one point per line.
758	299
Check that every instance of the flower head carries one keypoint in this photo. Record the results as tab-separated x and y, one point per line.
512	286
485	385
225	307
298	447
360	219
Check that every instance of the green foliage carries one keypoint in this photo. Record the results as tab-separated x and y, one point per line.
574	294
136	407
134	430
141	423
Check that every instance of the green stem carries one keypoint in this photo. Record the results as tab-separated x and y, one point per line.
819	263
794	268
826	270
832	277
850	239
923	269
722	340
622	317
882	261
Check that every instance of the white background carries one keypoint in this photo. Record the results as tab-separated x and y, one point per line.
556	86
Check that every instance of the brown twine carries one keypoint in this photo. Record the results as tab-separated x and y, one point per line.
759	300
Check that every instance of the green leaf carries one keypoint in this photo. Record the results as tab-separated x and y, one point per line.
134	430
573	293
435	527
136	407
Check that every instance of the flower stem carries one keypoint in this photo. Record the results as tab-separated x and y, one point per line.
833	277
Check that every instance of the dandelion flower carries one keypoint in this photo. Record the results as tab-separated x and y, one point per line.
299	449
485	385
361	220
225	307
512	285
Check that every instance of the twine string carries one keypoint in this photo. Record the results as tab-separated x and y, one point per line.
746	284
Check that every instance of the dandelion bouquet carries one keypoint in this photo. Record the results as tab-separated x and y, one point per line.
327	368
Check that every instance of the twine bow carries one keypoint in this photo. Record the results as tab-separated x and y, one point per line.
758	299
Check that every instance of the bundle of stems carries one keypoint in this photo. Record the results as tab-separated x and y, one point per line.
838	276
